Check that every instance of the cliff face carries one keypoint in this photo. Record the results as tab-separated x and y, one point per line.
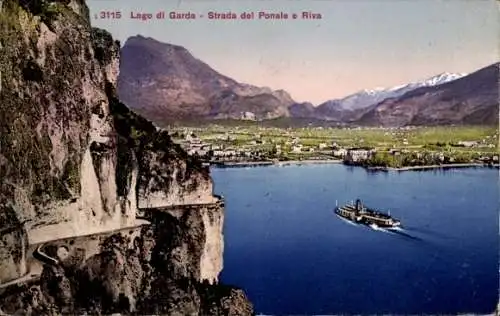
151	271
165	179
74	161
58	145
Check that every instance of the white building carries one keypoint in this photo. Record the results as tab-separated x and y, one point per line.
467	143
359	154
248	116
297	149
341	153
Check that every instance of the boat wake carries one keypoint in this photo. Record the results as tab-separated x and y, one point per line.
429	232
402	232
375	227
380	229
398	231
395	231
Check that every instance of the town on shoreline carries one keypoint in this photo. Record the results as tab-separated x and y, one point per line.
375	169
376	149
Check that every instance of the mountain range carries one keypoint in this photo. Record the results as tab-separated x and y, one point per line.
365	98
165	83
472	99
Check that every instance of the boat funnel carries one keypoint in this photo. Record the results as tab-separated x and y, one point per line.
358	204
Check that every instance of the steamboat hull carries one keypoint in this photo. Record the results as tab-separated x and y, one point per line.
365	216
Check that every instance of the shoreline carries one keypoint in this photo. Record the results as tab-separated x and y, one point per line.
247	164
433	167
308	162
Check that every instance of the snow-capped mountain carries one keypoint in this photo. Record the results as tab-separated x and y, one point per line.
365	98
470	100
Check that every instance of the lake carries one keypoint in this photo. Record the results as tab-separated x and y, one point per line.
293	255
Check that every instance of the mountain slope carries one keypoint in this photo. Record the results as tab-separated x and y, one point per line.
164	81
472	99
304	109
366	98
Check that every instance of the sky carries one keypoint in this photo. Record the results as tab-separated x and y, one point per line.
356	45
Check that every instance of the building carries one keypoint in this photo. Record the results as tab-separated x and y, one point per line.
359	154
250	116
224	153
278	149
192	138
441	157
203	151
297	149
340	153
395	152
467	143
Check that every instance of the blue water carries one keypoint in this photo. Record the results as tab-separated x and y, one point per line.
292	255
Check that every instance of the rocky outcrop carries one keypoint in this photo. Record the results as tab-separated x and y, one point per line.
76	165
13	244
159	170
196	255
144	275
165	179
58	144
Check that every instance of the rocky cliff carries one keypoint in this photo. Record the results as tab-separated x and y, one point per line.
77	166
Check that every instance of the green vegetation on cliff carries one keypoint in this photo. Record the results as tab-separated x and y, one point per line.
136	137
102	41
56	94
41	77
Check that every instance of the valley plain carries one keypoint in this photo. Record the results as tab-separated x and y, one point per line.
374	147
